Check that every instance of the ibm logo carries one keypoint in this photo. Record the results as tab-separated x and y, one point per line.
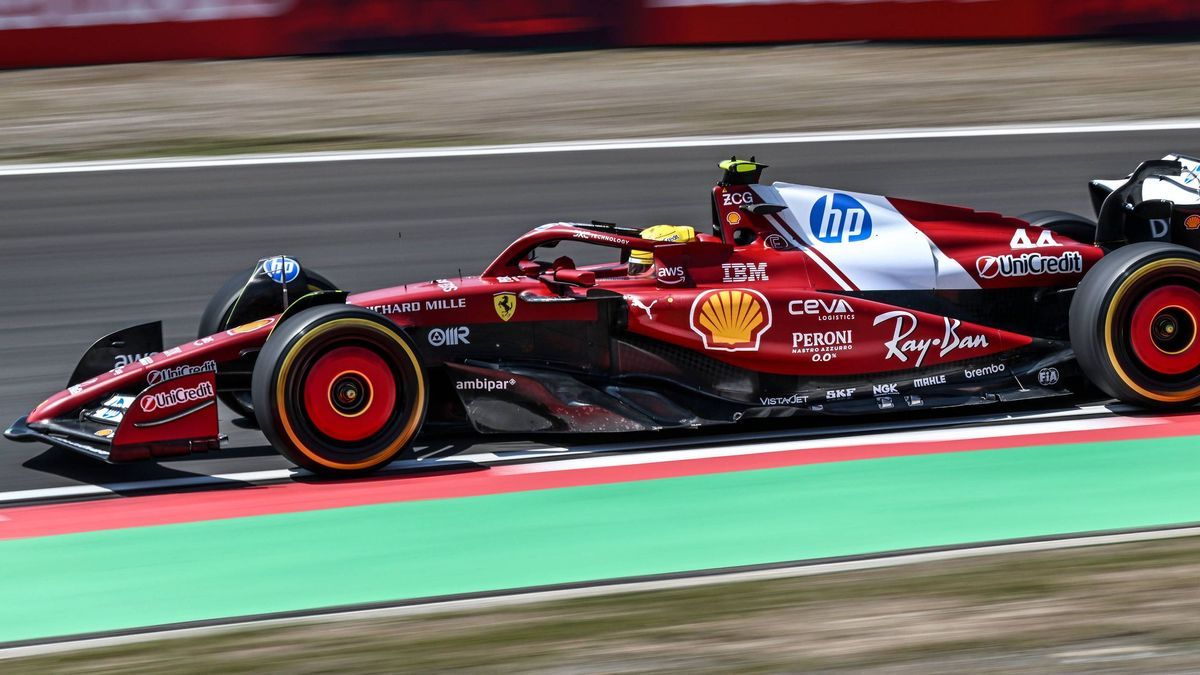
743	272
839	218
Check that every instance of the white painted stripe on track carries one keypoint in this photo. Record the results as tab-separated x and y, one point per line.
592	146
925	436
883	561
997	423
69	491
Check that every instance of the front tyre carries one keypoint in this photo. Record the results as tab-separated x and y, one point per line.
1134	323
339	390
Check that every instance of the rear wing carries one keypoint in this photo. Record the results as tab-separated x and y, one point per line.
1159	201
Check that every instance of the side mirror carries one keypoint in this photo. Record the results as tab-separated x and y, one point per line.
744	236
529	268
575	277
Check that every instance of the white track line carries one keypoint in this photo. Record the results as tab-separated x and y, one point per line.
992	421
1003	424
927	436
76	491
591	146
519	598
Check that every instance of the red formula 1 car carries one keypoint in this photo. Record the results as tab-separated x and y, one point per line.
802	301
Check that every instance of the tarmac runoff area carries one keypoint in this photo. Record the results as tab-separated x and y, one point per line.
579	522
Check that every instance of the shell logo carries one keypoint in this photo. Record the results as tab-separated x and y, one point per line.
1192	222
731	320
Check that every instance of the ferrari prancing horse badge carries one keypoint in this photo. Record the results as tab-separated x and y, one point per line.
506	305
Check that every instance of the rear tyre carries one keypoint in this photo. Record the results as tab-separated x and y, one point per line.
1134	323
1079	228
215	318
339	390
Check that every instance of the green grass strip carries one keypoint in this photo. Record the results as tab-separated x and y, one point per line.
147	576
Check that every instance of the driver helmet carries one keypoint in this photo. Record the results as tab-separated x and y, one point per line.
642	262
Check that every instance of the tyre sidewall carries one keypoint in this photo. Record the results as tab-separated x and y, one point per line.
1092	311
279	373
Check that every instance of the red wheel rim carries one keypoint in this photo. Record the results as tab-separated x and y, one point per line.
349	393
1163	330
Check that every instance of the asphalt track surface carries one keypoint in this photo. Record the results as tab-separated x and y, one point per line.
85	254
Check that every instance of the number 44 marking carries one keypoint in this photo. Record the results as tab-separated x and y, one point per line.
1020	239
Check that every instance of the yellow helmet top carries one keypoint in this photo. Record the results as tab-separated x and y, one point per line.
679	233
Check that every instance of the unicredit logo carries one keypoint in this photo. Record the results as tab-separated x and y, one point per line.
1028	264
177	396
156	376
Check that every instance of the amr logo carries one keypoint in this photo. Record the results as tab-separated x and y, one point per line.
839	218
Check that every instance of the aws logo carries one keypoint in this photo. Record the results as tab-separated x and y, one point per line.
670	275
732	321
839	218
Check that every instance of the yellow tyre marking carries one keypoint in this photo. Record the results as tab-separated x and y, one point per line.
1108	330
405	435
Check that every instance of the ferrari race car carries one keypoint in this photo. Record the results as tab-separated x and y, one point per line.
802	301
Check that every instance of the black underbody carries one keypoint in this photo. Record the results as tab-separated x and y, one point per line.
584	378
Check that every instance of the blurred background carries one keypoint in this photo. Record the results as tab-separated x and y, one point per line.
104	79
178	77
53	32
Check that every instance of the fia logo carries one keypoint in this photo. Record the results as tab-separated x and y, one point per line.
839	218
281	269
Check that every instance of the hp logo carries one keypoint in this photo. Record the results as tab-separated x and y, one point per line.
281	269
839	218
